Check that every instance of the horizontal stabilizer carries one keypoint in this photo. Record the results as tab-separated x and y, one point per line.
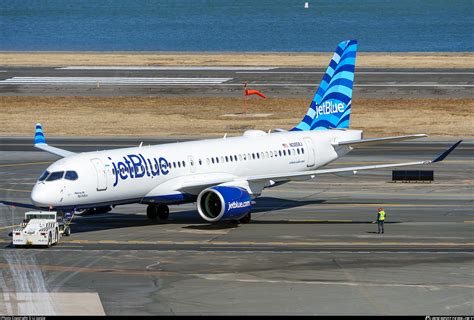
375	141
59	152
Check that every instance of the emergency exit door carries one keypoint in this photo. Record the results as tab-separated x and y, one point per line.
101	174
192	164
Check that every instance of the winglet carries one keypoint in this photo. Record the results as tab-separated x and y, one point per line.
446	153
40	143
39	136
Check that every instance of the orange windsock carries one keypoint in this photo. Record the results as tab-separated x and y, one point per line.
249	92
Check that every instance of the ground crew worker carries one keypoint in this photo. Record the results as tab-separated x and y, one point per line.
380	219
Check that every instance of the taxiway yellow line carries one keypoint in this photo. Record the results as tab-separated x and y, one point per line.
9	227
382	162
15	190
385	205
317	220
269	243
379	193
414	148
73	145
396	194
24	164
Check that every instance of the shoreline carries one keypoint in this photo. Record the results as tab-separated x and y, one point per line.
270	59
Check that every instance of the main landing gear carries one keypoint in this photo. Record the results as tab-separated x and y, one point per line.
160	211
246	219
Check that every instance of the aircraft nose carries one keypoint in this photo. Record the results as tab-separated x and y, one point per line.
41	197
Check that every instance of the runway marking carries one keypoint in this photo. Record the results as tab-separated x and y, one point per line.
112	81
24	164
190	68
469	221
135	81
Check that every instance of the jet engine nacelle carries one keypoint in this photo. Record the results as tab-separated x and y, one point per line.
223	203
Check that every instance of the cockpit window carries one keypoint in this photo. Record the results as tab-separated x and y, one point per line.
55	176
71	175
43	176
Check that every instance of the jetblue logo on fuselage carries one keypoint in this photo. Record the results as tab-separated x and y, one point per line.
135	166
238	204
329	107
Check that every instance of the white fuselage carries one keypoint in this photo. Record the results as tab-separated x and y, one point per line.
161	173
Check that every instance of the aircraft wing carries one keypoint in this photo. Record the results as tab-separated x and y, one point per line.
371	142
40	143
191	184
204	181
312	173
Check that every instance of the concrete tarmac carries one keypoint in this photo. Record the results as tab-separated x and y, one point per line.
310	249
228	81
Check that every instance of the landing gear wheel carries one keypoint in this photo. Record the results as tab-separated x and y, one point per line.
246	219
163	212
67	231
151	212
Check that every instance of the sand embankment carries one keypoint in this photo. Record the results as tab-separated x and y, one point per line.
204	116
364	60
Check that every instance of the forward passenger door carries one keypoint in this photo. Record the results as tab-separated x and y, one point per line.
101	174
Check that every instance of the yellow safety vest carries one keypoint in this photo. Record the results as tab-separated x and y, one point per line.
381	215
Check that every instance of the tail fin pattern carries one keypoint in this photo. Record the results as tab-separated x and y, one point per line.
331	105
39	136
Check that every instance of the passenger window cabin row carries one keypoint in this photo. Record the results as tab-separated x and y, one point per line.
225	159
254	156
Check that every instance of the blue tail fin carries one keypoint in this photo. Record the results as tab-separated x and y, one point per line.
331	105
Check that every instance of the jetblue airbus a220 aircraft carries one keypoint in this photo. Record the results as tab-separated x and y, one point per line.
223	175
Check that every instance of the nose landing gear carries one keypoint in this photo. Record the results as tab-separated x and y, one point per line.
160	211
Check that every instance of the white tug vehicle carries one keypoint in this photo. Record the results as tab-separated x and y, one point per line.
41	228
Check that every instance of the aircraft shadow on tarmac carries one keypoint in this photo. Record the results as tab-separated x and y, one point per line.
192	220
268	204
